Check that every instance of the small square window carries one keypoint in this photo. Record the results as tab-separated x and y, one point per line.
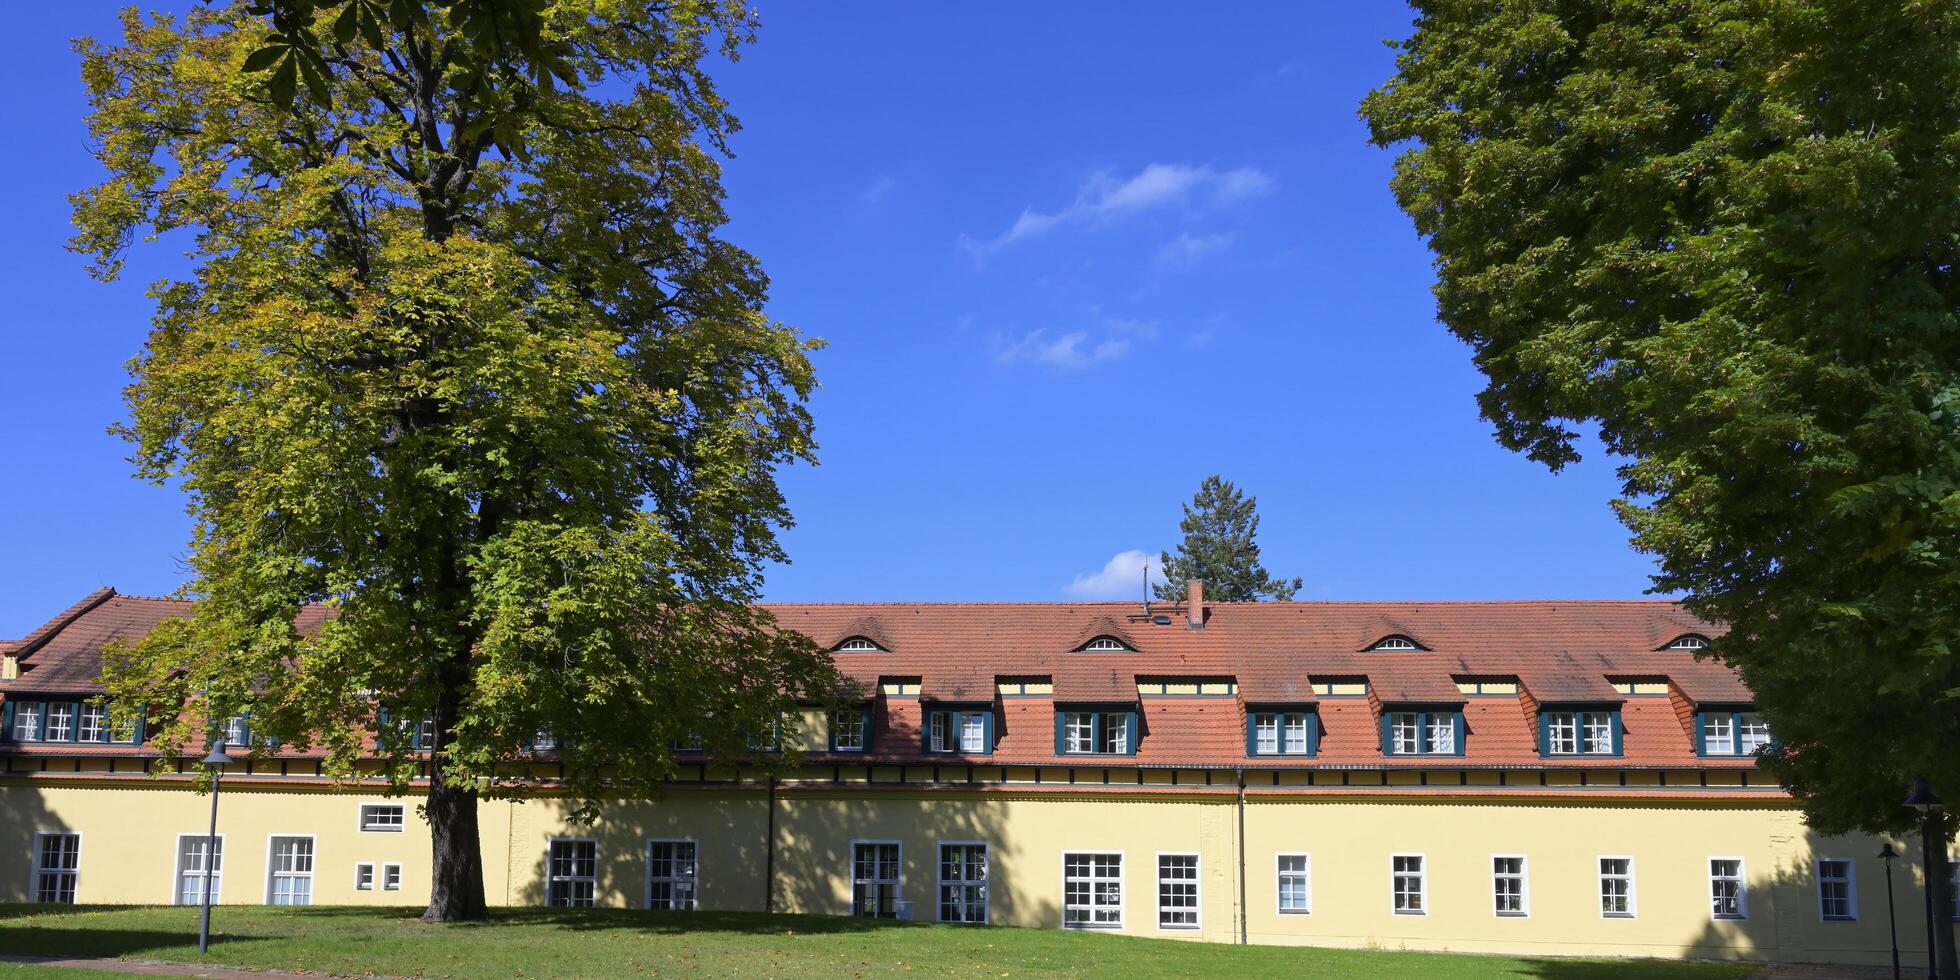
364	877
391	877
383	817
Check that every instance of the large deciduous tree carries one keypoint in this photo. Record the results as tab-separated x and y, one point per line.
1221	548
1725	233
514	419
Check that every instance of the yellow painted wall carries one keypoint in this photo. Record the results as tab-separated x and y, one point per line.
130	826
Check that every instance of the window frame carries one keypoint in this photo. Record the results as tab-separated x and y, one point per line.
373	877
361	824
1122	890
941	883
858	644
1280	874
1741	879
693	877
1281	714
1582	716
1523	876
1105	644
35	869
273	874
1098	719
1197	892
1734	714
1850	887
863	712
177	871
552	842
1690	642
953	717
898	883
391	876
1421	875
1599	886
1422	713
1395	643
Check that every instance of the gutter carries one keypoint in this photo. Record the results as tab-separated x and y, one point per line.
1242	908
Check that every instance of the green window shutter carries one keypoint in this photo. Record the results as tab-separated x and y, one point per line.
7	720
1134	734
1061	732
1457	720
987	726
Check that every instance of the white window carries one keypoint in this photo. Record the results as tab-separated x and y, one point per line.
875	879
937	724
194	853
1279	733
1115	738
1442	733
572	873
1295	884
95	723
1080	729
1265	734
382	817
1410	883
962	882
1728	895
1837	889
1752	733
1616	887
236	731
1395	643
364	877
1105	644
973	732
1177	891
1718	733
858	644
1599	732
1405	733
1295	733
290	875
670	875
1689	642
391	877
847	730
1092	891
1507	885
61	721
57	863
27	721
544	742
1562	732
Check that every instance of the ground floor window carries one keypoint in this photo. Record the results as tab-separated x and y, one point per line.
1092	891
1295	883
196	854
364	877
572	874
291	871
875	879
1177	891
1616	887
391	877
1727	897
1837	896
670	875
1410	884
57	860
1507	883
962	882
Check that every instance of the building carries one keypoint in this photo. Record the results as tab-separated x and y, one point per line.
1521	777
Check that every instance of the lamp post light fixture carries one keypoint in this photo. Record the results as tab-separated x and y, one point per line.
216	762
1932	837
1886	854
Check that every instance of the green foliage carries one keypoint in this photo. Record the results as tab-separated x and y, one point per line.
1724	232
1219	527
516	425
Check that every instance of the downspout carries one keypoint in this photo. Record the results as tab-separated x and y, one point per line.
1242	910
769	865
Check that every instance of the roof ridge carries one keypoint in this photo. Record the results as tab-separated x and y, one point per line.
26	645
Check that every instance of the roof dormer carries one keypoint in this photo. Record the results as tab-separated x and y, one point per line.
1105	643
858	644
1395	641
1691	642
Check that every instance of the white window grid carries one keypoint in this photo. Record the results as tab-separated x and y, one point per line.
1718	733
383	818
1442	733
1617	897
1562	732
1409	884
973	732
61	721
1837	889
364	876
572	872
1295	732
94	723
1105	644
848	735
938	724
391	877
858	644
289	869
57	866
963	881
672	874
1092	889
1728	890
1752	733
1395	643
27	721
1115	733
1295	882
1405	733
1079	729
1265	734
1510	886
1177	890
188	878
877	878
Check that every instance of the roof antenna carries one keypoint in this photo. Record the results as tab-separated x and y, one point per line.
1146	587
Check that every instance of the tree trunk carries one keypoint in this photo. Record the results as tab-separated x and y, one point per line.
456	871
1940	915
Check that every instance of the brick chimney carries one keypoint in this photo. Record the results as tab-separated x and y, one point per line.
1194	603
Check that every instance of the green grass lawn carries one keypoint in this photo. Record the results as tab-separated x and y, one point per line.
618	943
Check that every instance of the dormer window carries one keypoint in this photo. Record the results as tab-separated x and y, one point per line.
1397	642
1105	644
1690	641
858	644
1726	731
1586	731
1416	730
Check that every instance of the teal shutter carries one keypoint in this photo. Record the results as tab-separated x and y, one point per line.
1061	728
1544	736
987	724
1135	733
1457	720
1252	733
7	720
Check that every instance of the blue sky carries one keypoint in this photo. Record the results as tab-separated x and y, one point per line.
1069	259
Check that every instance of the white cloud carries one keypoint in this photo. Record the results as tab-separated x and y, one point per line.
1104	197
878	190
1187	248
1074	349
1120	578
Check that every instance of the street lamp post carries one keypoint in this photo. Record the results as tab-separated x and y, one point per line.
1932	837
1886	854
215	762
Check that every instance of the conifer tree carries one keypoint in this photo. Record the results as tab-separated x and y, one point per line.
1219	526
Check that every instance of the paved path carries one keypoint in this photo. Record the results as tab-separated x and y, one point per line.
147	968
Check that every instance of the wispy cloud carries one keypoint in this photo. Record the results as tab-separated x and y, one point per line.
1105	197
1187	248
878	190
1074	349
1121	578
